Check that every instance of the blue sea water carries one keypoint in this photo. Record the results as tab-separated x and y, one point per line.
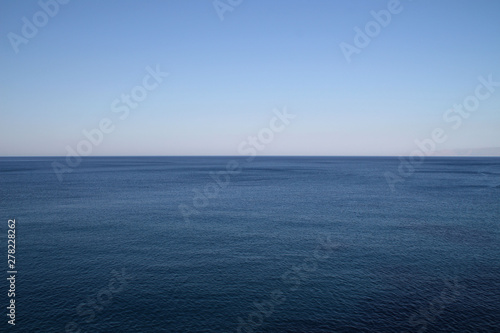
283	244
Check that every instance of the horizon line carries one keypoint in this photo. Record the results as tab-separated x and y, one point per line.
245	156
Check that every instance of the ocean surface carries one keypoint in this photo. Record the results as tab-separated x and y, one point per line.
276	244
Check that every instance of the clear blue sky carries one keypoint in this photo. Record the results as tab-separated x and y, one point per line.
226	77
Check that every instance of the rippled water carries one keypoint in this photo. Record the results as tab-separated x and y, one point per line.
288	244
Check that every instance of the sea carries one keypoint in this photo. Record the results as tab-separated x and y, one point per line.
242	244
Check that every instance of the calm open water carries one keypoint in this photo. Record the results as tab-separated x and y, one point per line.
283	244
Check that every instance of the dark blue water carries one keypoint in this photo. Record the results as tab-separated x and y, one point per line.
288	244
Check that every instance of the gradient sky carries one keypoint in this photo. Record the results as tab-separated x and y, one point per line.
226	77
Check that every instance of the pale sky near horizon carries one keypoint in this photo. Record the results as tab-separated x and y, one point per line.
225	77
